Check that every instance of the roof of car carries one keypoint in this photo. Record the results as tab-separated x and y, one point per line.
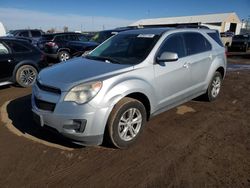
13	39
65	33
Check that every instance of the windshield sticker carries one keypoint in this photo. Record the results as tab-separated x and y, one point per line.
146	36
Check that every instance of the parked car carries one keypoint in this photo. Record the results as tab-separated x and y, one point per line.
129	78
63	46
19	62
240	43
227	34
32	35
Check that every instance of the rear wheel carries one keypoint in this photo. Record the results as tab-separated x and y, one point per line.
26	75
126	122
214	87
63	56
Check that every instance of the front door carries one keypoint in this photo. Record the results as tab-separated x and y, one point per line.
173	79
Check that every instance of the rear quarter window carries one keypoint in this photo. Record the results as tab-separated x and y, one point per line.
215	36
196	43
35	33
18	48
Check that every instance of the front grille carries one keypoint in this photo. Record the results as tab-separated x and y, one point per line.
48	88
43	105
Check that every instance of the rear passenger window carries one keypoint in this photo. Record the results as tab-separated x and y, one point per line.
18	48
60	37
196	43
174	44
72	38
24	34
216	38
35	33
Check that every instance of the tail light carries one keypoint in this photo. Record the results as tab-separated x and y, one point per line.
51	44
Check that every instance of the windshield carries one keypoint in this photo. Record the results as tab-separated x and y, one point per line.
101	36
125	48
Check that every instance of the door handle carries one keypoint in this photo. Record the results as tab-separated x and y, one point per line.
186	65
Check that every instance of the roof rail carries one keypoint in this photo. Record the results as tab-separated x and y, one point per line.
192	26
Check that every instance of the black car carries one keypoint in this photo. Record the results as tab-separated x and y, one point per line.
240	43
20	62
31	35
63	46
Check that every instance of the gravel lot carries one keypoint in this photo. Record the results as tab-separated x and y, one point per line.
198	144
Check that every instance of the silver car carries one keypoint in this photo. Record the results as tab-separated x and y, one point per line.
134	75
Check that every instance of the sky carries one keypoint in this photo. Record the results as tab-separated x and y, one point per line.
89	15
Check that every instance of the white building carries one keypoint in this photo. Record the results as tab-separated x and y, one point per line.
221	22
2	30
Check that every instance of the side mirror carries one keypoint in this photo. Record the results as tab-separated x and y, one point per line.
167	57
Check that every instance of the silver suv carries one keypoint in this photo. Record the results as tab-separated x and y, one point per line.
136	74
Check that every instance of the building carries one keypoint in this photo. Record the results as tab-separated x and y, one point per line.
2	30
221	22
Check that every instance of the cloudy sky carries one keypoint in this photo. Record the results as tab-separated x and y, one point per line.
97	15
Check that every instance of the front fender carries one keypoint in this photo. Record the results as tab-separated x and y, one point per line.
120	89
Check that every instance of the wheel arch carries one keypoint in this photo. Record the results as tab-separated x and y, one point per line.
221	70
143	99
31	63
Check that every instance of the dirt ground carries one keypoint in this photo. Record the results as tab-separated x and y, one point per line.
198	144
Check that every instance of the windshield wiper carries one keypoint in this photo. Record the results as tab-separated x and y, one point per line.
103	58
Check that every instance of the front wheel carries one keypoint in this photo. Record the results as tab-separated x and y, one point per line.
126	122
214	87
26	75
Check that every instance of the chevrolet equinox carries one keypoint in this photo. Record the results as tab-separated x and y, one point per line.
136	74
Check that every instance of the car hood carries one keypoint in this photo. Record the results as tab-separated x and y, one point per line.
79	70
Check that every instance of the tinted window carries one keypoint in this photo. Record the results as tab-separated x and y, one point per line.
24	34
35	33
196	43
83	38
60	37
71	38
174	44
17	47
216	38
3	49
101	36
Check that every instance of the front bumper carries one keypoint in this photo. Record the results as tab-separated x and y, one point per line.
83	124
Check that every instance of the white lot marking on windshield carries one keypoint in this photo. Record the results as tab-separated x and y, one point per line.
146	36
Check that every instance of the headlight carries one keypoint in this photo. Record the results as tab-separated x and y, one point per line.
83	92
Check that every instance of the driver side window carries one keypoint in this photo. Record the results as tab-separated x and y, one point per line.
175	44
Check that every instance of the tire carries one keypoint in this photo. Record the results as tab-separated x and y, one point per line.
214	87
122	133
26	75
63	56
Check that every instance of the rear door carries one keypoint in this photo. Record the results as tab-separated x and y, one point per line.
199	58
172	78
5	62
